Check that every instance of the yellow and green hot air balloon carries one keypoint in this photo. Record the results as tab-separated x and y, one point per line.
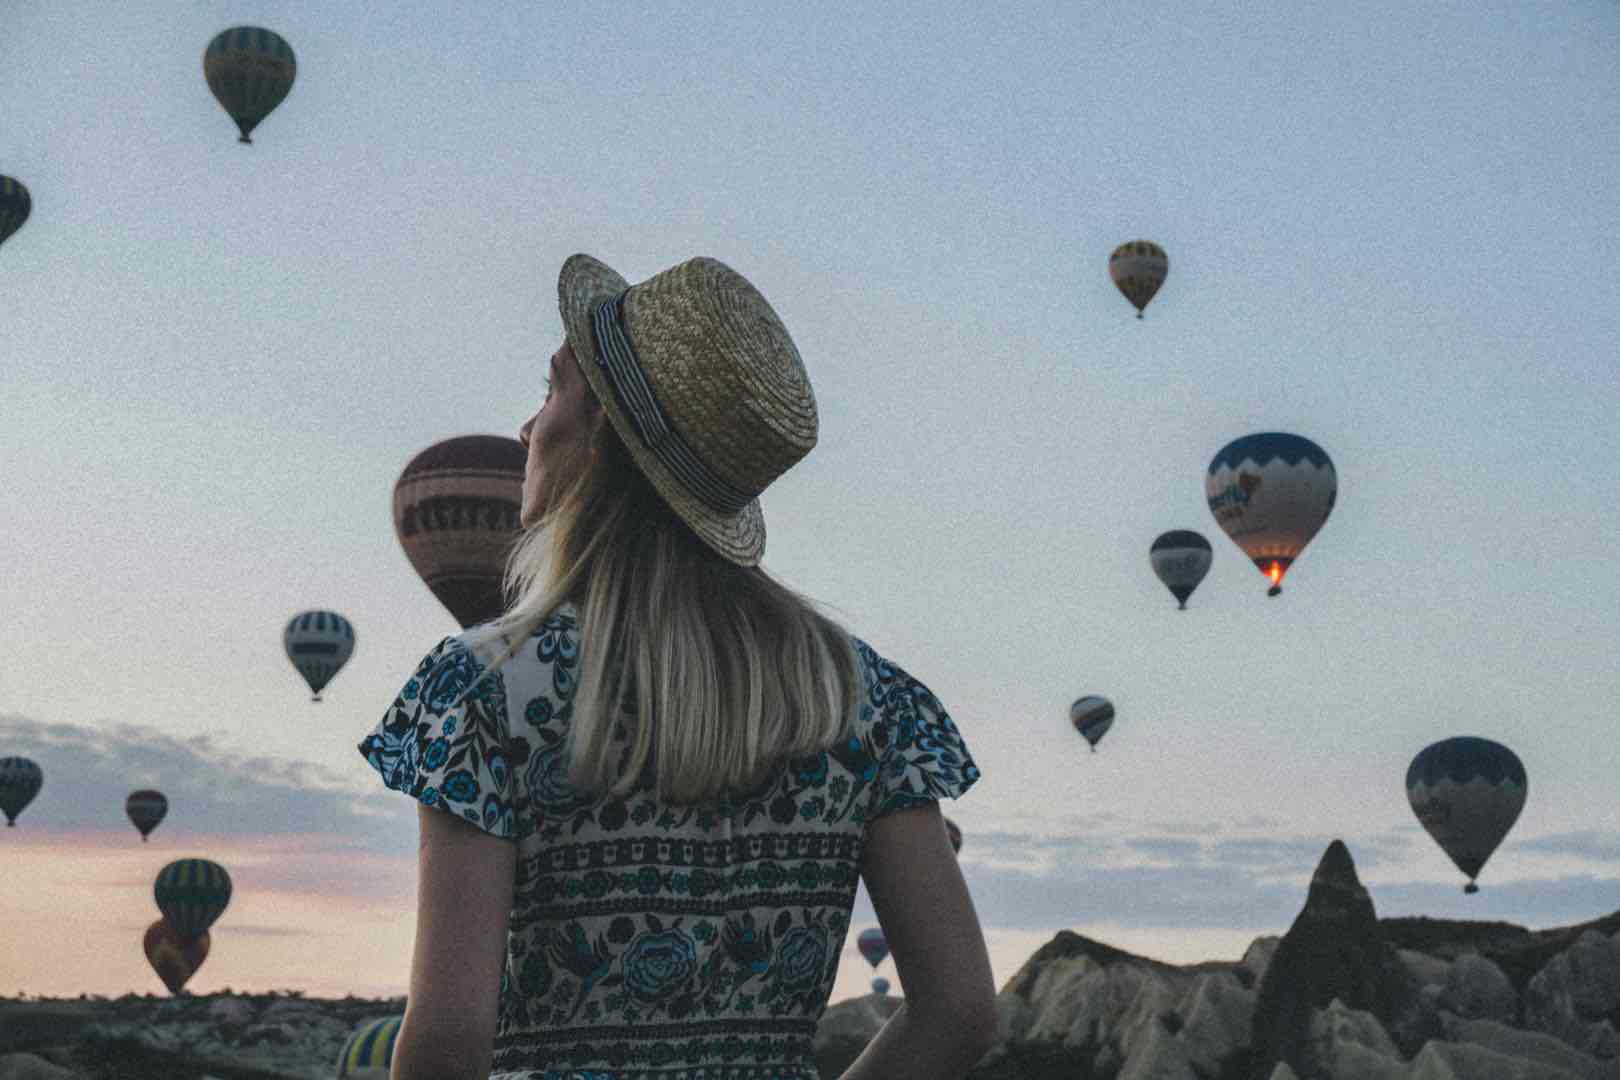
1138	268
192	893
369	1053
250	70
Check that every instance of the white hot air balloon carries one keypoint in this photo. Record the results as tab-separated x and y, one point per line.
318	643
1271	492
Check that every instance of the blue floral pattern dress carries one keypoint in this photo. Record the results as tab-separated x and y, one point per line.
647	941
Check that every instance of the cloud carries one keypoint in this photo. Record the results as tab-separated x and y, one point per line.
211	790
1585	844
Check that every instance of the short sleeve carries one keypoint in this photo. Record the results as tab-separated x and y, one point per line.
446	747
922	758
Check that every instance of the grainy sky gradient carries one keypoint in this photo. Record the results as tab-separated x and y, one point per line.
1391	229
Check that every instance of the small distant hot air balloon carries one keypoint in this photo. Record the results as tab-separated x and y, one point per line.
250	70
369	1052
1180	558
145	809
20	781
456	509
955	833
192	893
15	206
1467	792
880	986
873	945
1138	268
174	956
1271	492
1092	716
318	643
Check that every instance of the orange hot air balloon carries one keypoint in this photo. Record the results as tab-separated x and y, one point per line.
173	956
456	509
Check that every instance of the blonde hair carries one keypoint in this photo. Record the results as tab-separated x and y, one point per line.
707	672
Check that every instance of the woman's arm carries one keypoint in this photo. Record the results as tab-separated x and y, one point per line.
463	902
949	1016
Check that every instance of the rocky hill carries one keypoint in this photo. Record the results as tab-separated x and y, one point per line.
1341	995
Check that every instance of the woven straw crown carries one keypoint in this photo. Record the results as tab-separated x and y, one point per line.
724	373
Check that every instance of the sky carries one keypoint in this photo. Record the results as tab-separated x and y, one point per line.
1389	227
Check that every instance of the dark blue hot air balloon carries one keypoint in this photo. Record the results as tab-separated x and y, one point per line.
1467	792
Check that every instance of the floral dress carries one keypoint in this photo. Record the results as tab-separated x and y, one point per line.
647	941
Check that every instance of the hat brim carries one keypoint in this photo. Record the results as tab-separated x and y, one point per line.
582	284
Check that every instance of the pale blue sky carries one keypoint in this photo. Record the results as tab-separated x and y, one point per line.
1391	229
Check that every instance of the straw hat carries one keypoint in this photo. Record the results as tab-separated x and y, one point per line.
702	382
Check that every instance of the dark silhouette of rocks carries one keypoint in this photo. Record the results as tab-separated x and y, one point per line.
1334	950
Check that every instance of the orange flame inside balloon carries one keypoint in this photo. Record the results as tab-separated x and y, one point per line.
1275	573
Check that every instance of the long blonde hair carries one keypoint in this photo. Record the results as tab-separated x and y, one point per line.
708	672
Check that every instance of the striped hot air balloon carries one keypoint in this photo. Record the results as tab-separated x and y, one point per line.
369	1052
1092	716
20	781
173	956
1180	558
456	510
1271	492
192	893
318	643
250	70
146	809
1467	792
15	206
1138	268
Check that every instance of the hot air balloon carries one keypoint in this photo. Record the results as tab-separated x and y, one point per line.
20	781
1092	716
1180	558
250	70
15	205
174	956
145	809
1271	492
1138	268
955	833
456	509
1467	792
872	945
318	643
880	986
192	893
369	1053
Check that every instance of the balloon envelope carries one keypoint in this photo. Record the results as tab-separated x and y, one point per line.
1138	268
250	70
872	945
15	206
174	956
1467	792
192	893
20	781
1092	716
318	643
1271	492
369	1052
1180	559
880	985
146	809
456	509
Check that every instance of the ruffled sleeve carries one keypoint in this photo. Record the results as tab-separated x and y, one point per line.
445	747
921	756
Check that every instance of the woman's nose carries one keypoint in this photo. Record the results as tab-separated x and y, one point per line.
523	432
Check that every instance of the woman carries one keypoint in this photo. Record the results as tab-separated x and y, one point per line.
648	791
